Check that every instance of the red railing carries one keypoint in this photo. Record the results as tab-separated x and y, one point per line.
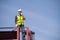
27	31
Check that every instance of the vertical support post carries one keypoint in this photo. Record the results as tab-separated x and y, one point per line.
31	36
18	33
27	33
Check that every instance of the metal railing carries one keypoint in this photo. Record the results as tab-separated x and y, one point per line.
27	31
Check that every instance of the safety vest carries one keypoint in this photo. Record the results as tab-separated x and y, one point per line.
20	20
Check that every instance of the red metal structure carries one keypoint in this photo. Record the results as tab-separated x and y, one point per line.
15	34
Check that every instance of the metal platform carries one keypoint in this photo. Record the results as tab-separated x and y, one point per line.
15	33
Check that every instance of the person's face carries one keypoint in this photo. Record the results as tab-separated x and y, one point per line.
19	12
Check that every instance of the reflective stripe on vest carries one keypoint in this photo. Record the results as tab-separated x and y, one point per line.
20	20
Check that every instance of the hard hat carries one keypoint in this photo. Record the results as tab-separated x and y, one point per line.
19	10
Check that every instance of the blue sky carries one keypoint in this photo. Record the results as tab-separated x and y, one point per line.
42	16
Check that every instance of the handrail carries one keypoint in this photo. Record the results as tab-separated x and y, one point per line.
6	27
27	33
18	32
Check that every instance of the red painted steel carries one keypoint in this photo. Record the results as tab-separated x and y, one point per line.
18	33
27	33
31	38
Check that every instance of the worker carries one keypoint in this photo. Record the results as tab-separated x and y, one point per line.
19	21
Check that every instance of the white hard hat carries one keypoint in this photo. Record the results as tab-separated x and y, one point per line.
19	10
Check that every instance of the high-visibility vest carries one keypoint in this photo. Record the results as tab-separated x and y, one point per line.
20	20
